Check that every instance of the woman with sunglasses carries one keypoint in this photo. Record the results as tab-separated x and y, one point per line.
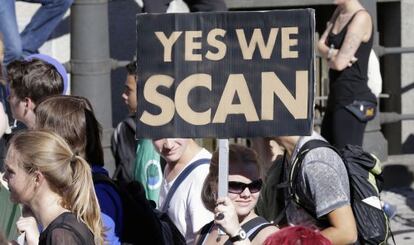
234	214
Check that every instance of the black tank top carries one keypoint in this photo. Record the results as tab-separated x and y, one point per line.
351	83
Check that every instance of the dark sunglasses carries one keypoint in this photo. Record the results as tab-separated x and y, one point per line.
236	187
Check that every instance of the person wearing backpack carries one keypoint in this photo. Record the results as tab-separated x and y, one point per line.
73	119
123	142
135	159
323	181
235	213
184	174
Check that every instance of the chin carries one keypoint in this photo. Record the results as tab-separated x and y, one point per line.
244	211
171	158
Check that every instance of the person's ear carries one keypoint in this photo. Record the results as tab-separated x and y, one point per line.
29	104
38	178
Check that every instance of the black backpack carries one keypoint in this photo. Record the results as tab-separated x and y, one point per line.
142	222
123	147
156	227
365	179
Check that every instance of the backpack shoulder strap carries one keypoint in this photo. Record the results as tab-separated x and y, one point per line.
130	121
253	227
205	230
99	178
180	179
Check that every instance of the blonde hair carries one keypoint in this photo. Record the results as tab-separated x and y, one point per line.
67	174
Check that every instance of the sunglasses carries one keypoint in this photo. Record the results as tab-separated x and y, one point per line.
236	187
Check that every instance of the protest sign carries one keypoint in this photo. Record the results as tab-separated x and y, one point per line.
225	74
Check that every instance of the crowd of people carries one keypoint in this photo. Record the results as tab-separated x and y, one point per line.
50	167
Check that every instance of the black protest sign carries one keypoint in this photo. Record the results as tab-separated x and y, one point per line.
226	74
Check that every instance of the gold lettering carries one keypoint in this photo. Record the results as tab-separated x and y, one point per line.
191	45
181	102
167	43
271	85
212	41
257	40
287	42
236	84
163	102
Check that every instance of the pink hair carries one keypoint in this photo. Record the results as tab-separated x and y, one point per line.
297	235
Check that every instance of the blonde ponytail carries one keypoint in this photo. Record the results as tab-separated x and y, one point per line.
67	174
82	197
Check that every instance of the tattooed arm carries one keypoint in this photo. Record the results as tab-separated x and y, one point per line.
359	30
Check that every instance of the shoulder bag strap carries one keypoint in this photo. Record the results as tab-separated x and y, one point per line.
205	230
283	185
180	179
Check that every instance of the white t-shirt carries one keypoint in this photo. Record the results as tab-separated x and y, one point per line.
186	209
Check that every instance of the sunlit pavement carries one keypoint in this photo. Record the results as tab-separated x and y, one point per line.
399	191
402	224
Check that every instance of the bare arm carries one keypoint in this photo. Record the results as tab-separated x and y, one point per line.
343	228
322	47
263	234
359	30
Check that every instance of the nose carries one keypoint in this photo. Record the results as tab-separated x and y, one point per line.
167	143
246	192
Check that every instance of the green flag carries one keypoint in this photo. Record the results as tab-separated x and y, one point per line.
9	213
148	169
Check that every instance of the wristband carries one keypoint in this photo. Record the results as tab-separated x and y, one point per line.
240	236
330	52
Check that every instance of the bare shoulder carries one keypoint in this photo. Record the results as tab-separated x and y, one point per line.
362	16
361	25
264	233
361	20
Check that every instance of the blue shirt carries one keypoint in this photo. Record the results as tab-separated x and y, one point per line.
109	200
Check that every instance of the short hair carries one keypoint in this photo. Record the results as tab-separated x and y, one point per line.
132	68
238	155
297	235
34	79
72	118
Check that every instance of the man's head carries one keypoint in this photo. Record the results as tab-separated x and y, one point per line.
30	82
174	150
287	142
130	91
